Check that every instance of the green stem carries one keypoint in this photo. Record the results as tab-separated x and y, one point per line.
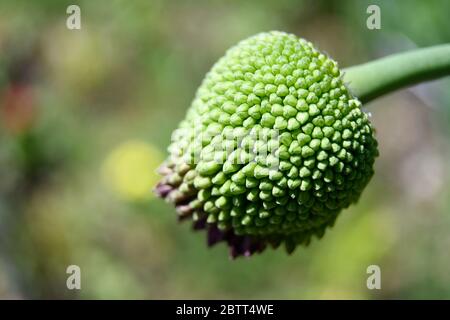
373	79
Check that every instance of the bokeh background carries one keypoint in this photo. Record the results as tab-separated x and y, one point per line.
85	117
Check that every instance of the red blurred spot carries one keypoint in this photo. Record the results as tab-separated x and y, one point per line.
17	108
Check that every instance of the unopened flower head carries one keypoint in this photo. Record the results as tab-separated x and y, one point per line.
273	147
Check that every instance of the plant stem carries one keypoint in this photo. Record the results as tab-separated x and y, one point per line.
375	78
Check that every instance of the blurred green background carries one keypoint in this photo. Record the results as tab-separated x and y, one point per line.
85	117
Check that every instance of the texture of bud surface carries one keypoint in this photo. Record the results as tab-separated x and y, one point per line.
273	147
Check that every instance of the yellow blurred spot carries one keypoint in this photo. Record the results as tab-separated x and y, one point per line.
130	170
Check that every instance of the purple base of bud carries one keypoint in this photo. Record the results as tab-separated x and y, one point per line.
239	245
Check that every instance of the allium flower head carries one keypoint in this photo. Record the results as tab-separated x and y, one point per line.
273	147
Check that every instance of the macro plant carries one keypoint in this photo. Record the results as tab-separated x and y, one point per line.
275	144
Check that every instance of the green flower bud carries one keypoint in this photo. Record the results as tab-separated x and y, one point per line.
273	147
